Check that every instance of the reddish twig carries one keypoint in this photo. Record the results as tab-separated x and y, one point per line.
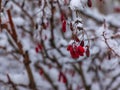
24	54
109	45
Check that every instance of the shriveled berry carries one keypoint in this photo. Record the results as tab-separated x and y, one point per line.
82	43
71	27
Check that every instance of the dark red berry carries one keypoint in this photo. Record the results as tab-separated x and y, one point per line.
64	26
89	3
82	43
87	51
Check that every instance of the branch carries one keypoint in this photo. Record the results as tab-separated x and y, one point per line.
0	14
109	45
46	76
0	5
112	81
10	81
25	55
80	71
97	20
13	84
25	12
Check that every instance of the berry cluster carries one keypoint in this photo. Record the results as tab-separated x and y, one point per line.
76	51
78	47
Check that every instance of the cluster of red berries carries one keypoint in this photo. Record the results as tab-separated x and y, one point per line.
76	51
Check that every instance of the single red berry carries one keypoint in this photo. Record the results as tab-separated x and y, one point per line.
74	53
37	49
64	78
81	50
39	46
64	26
89	3
69	47
41	71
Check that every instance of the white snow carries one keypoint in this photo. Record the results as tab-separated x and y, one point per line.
76	4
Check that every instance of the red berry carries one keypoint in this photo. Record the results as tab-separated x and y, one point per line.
89	3
69	47
62	17
37	49
40	46
81	50
41	71
64	26
82	43
62	77
74	53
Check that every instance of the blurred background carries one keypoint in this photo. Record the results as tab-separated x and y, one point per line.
33	46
